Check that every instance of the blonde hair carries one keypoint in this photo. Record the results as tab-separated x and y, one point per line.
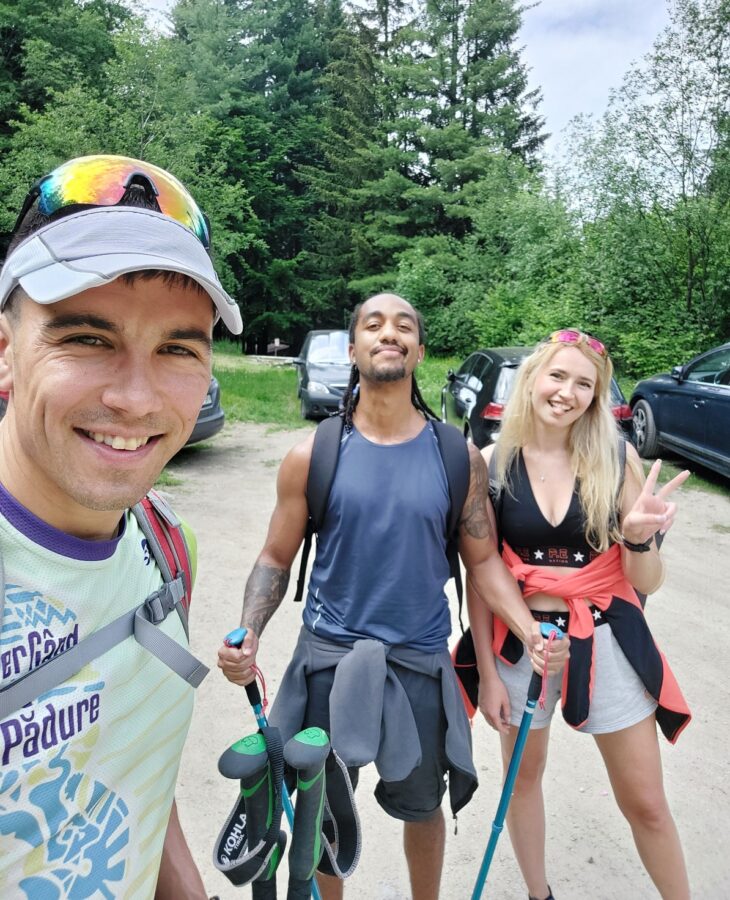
592	442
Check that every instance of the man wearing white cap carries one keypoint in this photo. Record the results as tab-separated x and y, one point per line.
108	298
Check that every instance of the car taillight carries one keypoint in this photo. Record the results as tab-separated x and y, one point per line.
492	411
622	412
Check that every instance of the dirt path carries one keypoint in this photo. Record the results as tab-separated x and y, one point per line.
226	492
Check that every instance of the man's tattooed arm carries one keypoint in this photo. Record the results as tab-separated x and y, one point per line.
264	592
474	516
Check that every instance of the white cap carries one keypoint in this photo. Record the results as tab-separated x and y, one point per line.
95	246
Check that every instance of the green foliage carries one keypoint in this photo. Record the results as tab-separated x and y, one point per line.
345	148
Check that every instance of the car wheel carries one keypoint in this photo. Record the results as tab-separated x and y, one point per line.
645	430
304	409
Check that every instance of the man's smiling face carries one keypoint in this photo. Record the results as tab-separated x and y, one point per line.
387	340
105	387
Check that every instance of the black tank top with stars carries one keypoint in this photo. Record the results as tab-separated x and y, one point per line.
531	536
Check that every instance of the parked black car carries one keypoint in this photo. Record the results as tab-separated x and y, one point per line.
210	418
474	397
687	411
323	371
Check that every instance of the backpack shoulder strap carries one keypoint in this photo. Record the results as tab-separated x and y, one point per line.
168	545
166	541
322	468
621	463
495	495
455	457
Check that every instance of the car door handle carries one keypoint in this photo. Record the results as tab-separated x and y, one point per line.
698	403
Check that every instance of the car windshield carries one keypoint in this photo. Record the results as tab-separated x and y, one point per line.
329	348
504	383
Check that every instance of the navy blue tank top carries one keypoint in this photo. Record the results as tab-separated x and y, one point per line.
535	540
380	567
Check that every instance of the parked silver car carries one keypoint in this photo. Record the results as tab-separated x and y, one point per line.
323	371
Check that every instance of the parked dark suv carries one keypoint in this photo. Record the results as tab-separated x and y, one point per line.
323	371
474	397
687	411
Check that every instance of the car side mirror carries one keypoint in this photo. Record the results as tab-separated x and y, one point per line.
450	375
678	374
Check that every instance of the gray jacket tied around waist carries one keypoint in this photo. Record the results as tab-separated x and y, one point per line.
370	714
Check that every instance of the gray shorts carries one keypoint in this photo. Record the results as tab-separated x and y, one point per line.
619	698
419	795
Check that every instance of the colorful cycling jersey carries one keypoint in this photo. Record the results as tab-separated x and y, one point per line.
88	770
535	540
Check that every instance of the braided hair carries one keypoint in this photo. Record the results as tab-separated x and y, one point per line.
352	393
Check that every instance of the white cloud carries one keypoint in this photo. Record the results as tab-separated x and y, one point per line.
578	50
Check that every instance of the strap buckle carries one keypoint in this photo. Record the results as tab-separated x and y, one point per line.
162	602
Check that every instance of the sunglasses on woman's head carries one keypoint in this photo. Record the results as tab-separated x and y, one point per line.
103	181
571	336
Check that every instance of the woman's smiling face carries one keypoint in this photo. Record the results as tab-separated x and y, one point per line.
564	388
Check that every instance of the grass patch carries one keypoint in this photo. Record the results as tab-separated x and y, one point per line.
431	377
701	479
257	392
166	479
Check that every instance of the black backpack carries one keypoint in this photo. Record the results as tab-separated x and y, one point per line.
322	468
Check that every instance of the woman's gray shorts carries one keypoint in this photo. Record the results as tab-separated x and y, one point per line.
618	701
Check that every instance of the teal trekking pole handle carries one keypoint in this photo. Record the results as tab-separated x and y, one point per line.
235	638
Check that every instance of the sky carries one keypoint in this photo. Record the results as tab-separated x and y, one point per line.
577	51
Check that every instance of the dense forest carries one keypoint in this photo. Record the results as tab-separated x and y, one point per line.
342	148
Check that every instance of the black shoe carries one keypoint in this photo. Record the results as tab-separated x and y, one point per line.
549	896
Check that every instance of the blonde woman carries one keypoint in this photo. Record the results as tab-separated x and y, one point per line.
578	530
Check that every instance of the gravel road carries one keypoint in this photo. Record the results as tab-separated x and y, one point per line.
226	491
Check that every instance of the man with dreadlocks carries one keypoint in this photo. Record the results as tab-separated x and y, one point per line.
371	666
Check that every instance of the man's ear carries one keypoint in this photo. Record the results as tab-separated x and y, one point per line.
6	354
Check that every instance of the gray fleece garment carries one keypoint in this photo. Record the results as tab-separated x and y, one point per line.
370	714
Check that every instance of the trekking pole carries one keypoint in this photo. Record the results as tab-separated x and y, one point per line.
235	639
533	692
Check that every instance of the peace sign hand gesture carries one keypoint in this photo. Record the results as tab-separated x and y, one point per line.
652	512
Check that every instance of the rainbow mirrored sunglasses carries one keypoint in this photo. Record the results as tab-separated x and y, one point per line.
103	181
571	336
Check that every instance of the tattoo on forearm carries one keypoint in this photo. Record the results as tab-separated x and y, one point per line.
474	517
264	592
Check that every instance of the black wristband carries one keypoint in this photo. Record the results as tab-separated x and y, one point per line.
637	548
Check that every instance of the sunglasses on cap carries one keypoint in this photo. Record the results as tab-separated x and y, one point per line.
571	336
103	181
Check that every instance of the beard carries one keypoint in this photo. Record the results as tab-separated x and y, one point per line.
385	375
